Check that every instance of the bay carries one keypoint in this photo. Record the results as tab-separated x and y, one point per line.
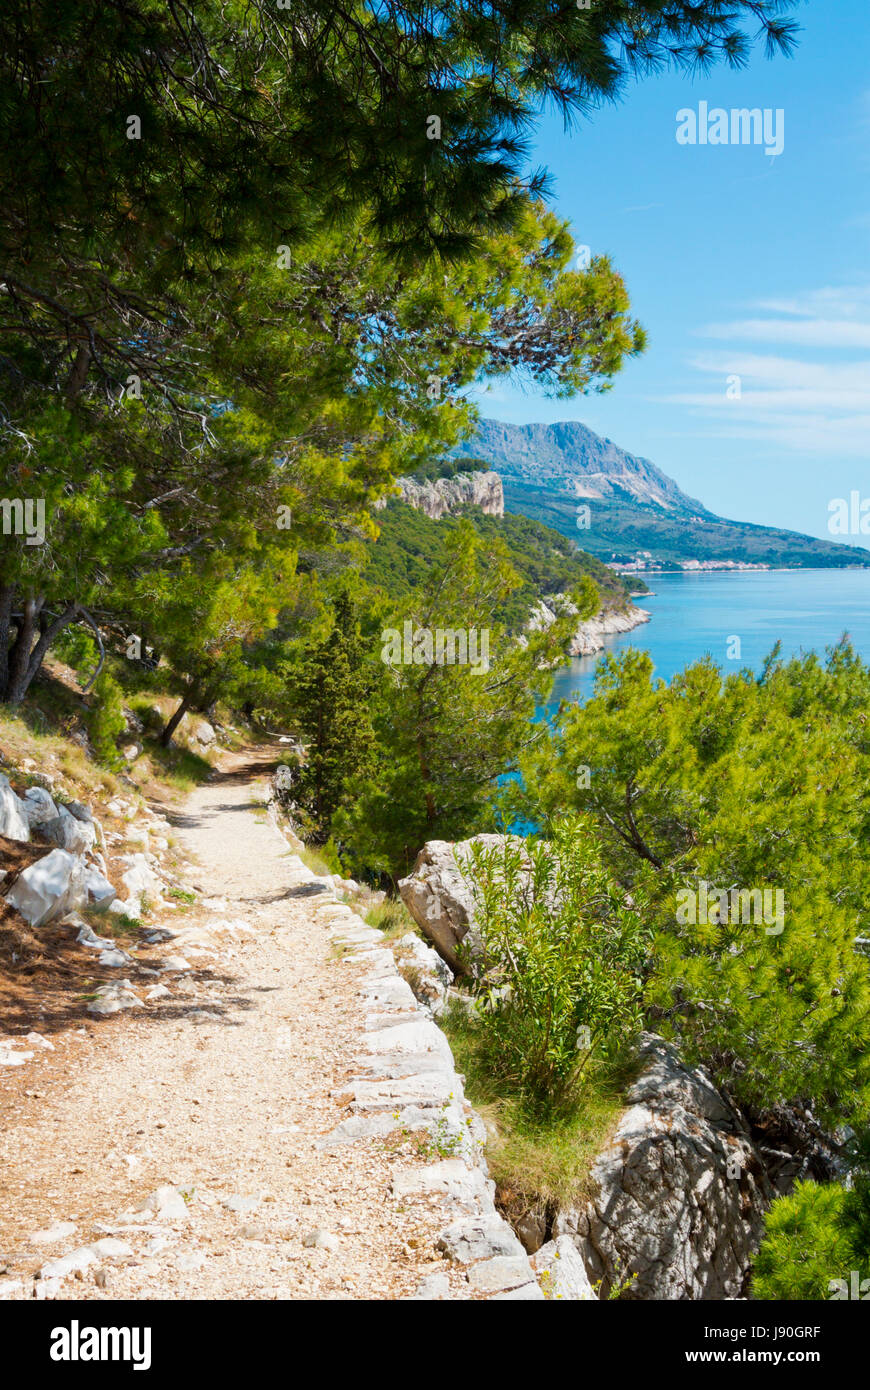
698	613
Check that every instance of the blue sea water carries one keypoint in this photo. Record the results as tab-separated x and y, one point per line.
694	614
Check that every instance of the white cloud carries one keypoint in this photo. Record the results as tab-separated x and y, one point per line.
808	405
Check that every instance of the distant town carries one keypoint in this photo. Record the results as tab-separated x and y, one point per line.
643	562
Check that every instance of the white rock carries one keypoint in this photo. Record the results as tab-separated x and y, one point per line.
98	888
69	1264
13	813
158	992
58	1230
68	832
166	1204
10	1056
321	1240
48	888
38	806
110	1248
175	963
114	958
48	1288
562	1273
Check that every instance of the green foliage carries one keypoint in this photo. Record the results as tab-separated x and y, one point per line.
563	956
329	685
742	784
806	1245
409	543
76	646
106	720
447	731
433	469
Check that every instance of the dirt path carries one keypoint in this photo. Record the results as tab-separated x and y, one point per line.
222	1088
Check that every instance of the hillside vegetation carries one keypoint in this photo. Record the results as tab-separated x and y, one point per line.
411	543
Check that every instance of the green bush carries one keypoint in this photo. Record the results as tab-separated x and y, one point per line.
106	721
805	1245
77	648
563	955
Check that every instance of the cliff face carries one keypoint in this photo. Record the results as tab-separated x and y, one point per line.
590	634
447	495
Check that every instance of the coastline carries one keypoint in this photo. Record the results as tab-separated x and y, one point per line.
590	635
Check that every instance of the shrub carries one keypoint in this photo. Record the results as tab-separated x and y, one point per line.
805	1245
564	958
77	648
106	720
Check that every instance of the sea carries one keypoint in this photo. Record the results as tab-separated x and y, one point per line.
736	617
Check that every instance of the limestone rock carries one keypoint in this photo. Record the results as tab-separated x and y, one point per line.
38	806
69	833
13	813
98	888
428	975
48	888
681	1192
561	1272
444	496
166	1203
439	896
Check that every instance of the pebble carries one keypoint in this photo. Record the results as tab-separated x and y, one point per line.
321	1240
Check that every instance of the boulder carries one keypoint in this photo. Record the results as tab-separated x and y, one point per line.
204	733
13	813
562	1273
427	974
69	833
140	882
39	807
681	1192
439	896
49	888
98	888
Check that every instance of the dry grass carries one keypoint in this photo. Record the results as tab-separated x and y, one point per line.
537	1165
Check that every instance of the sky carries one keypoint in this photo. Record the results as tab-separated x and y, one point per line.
739	264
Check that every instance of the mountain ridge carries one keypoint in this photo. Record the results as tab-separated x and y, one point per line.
625	510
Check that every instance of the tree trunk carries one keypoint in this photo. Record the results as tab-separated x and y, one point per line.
19	654
187	701
7	601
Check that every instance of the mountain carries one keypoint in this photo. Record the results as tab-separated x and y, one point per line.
636	513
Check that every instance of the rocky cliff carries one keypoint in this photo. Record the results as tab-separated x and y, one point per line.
590	634
679	1192
447	495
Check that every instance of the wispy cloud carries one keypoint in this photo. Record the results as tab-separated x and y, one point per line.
809	405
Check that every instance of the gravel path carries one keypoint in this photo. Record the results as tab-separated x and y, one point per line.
221	1089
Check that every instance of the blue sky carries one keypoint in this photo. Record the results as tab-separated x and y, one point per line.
736	263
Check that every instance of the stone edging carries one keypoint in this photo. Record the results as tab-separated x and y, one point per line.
404	1078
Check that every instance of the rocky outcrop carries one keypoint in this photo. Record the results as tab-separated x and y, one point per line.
590	635
681	1192
444	496
438	894
562	1273
48	888
429	976
13	813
